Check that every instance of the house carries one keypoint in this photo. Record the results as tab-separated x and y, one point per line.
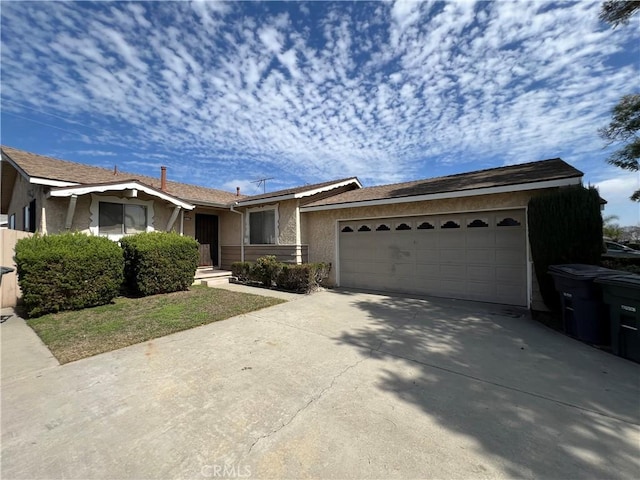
460	236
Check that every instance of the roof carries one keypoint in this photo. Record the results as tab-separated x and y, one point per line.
56	170
528	174
299	192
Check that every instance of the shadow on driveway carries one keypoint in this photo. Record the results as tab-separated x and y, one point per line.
547	405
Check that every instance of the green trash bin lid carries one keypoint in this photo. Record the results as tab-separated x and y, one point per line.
631	280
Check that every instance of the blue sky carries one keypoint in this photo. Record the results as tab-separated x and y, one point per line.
223	94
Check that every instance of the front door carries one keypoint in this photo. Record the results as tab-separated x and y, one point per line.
207	237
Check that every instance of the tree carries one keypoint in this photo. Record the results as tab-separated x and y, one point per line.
617	12
611	229
624	128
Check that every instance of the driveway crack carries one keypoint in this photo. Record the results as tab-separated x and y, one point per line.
313	399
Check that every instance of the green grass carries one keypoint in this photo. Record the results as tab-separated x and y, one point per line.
82	333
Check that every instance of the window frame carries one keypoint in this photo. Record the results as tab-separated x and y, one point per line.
122	207
276	220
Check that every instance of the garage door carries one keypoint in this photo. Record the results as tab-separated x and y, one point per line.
474	256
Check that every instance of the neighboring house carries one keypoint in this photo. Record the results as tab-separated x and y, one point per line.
461	236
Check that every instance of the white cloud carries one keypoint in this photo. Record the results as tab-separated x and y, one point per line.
381	91
272	39
616	191
96	153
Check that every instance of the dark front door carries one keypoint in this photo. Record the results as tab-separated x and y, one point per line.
207	237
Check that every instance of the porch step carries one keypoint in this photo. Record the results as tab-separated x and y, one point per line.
211	277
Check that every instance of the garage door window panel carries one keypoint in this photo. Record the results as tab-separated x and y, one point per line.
403	227
478	223
426	226
509	222
449	224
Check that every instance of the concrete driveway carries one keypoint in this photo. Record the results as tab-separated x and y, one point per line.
333	385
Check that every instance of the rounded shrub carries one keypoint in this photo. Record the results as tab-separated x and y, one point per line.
68	271
159	262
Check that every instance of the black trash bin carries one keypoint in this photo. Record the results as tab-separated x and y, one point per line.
584	314
622	294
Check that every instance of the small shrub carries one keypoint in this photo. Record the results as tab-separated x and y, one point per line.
69	271
266	270
269	272
241	270
159	262
295	278
303	278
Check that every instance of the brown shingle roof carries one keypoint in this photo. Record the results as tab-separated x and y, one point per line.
40	166
544	170
293	191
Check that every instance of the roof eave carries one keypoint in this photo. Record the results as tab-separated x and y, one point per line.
445	195
68	191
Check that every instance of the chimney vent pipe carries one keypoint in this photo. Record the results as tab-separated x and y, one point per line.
163	178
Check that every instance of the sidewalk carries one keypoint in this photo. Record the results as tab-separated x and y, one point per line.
23	353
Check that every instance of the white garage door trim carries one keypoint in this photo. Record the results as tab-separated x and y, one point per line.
521	270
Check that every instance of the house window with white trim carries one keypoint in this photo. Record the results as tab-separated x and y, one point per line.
122	219
262	227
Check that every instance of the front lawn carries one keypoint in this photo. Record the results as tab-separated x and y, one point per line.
73	335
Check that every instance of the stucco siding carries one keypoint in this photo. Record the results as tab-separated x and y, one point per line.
287	222
229	224
23	193
56	213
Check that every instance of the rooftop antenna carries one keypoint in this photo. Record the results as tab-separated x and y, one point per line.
263	182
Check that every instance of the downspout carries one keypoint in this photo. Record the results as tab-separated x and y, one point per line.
298	235
241	232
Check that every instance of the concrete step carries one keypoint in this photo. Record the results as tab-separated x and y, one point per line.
216	281
211	277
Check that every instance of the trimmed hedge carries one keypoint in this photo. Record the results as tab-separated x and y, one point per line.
302	278
242	271
266	271
565	226
69	271
159	262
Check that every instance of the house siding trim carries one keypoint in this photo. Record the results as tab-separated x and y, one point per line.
119	187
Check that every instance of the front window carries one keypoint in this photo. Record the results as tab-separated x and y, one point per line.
29	217
122	219
262	227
